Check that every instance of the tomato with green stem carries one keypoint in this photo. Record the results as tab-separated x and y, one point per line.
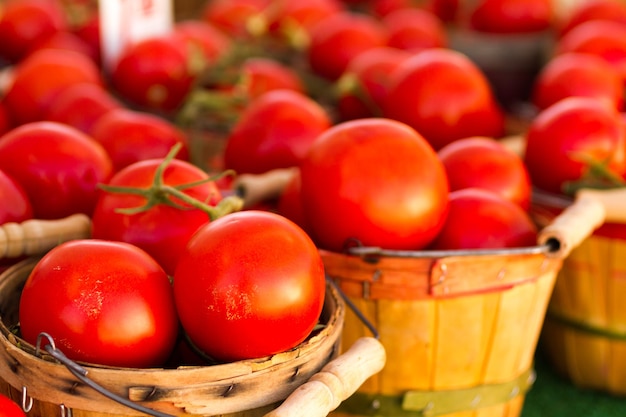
157	204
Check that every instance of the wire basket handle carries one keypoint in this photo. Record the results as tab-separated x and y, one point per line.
336	381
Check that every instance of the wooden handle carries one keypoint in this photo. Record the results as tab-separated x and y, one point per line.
34	237
337	381
573	225
256	188
613	201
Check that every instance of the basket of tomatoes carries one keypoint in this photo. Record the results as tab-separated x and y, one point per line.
440	254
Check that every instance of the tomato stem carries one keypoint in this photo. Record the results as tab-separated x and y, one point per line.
161	193
597	175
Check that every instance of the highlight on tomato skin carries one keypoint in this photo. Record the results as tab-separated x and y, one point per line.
250	284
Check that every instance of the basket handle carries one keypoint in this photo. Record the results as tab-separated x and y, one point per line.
34	237
256	188
591	208
335	382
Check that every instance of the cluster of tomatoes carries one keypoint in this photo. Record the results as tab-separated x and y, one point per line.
392	136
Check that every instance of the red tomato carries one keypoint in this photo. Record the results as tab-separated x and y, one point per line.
565	137
9	408
485	163
276	130
293	18
40	77
363	86
577	74
107	303
26	22
415	29
81	105
236	18
206	38
58	166
511	16
16	206
446	10
443	95
260	75
374	180
603	38
5	120
249	285
589	10
481	219
289	202
153	73
130	136
338	38
64	39
164	229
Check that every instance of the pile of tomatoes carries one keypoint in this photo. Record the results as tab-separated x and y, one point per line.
394	140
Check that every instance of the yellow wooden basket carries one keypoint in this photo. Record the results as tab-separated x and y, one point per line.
584	336
460	327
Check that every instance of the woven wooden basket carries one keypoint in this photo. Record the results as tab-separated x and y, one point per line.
309	380
584	336
460	327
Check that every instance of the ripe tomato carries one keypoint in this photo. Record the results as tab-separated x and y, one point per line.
58	166
294	18
588	10
130	136
26	22
481	162
260	75
443	95
153	73
564	138
577	74
414	29
9	408
64	39
81	105
249	285
40	77
107	303
164	229
603	38
511	16
374	180
16	206
210	42
364	84
276	130
481	219
338	38
236	18
289	202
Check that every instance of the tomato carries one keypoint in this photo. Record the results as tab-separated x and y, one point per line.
153	73
374	180
16	206
40	77
338	38
446	10
414	29
210	42
511	16
589	10
566	137
9	408
5	120
258	75
276	130
577	74
81	105
364	84
102	302
289	202
130	136
443	95
481	162
26	22
236	18
292	19
89	31
481	219
164	229
58	166
603	38
249	285
64	39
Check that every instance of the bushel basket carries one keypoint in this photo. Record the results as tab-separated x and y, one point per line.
460	328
